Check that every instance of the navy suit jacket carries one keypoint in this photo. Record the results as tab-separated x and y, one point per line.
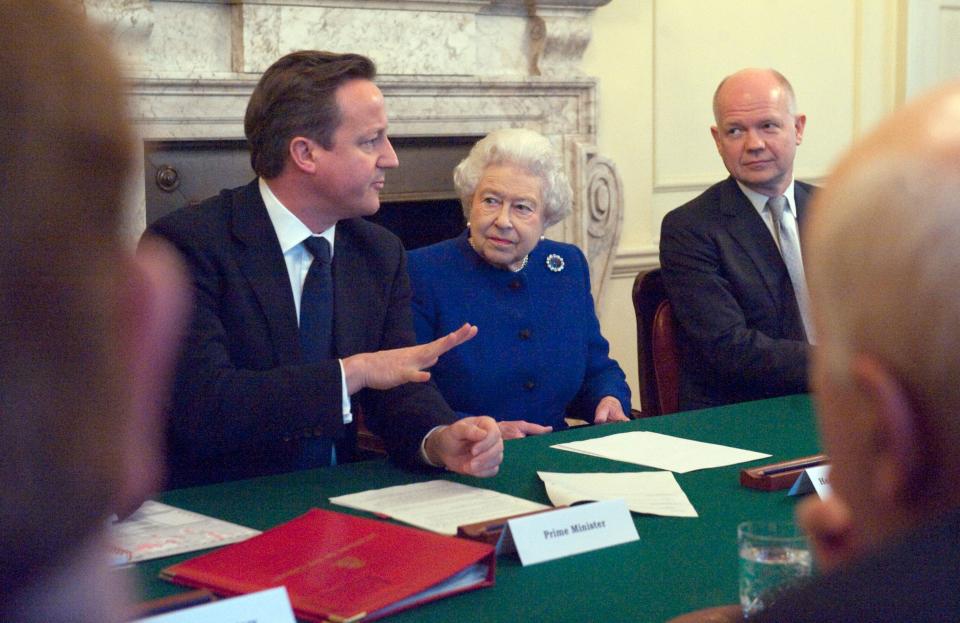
741	336
243	398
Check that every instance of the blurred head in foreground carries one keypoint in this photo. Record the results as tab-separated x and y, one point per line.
87	331
884	268
883	261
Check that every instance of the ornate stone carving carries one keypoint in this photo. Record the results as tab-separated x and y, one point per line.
564	42
600	214
605	208
447	68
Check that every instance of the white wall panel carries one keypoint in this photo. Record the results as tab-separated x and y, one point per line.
933	43
698	42
949	56
657	64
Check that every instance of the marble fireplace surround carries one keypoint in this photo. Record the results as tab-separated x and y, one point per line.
446	67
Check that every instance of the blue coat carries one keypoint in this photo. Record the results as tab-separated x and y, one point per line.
538	355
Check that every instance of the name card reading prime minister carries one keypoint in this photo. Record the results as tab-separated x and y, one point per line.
567	531
556	533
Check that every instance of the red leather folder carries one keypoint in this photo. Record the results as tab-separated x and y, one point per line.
341	568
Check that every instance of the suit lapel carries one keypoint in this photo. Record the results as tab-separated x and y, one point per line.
263	266
751	233
353	292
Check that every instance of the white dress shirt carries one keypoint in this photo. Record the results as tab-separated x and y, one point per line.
291	232
759	202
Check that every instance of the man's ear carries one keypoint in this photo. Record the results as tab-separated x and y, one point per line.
898	460
153	312
302	153
799	123
715	133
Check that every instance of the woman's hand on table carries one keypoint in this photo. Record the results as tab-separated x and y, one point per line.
515	429
609	410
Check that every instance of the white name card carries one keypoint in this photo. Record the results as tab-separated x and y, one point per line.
813	479
568	531
269	606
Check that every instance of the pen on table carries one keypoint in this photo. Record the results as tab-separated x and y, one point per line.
802	464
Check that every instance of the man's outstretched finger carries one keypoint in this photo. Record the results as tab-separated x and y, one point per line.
454	339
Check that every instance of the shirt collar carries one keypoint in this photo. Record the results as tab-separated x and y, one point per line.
759	200
291	231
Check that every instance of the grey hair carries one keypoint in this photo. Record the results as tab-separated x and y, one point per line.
523	148
883	270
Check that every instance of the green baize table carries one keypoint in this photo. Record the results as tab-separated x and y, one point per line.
678	565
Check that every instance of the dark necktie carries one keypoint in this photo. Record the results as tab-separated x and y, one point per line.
316	337
316	303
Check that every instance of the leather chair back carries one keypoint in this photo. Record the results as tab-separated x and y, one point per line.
658	355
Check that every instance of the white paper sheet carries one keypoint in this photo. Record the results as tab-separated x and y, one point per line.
157	530
268	606
661	451
437	505
653	493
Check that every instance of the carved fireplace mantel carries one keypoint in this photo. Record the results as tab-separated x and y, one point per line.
447	68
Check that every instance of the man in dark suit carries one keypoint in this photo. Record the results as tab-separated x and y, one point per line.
731	257
884	240
301	307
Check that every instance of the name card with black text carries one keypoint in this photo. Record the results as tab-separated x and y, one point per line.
567	531
813	479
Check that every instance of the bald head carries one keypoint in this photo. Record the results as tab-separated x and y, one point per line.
887	225
753	80
758	129
883	264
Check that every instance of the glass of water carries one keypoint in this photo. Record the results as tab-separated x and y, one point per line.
773	555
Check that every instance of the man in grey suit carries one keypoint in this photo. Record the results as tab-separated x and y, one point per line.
731	257
302	308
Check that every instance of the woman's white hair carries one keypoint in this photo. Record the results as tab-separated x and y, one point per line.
523	148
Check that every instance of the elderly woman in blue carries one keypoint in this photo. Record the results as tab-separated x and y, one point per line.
538	355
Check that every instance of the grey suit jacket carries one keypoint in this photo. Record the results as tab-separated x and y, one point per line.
243	398
741	336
